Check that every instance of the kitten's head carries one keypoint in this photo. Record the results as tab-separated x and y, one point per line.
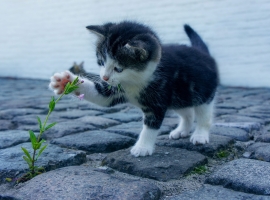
127	52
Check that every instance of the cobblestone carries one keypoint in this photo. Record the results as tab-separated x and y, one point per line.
177	169
251	176
164	165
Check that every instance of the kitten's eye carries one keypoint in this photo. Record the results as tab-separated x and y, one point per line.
100	63
118	70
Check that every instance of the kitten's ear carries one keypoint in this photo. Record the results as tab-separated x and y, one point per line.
97	30
137	51
81	65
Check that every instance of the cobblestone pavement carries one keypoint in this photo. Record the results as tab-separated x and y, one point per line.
88	153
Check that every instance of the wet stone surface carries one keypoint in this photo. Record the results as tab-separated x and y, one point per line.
216	192
12	163
217	143
96	141
259	151
133	129
85	183
246	175
235	133
164	165
13	137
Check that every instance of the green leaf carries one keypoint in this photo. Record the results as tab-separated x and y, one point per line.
32	138
75	81
26	153
50	126
37	145
52	104
67	87
39	122
28	161
41	141
71	89
41	150
8	179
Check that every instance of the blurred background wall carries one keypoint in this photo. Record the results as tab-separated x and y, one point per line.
39	38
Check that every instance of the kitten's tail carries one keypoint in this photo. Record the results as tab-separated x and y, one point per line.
196	40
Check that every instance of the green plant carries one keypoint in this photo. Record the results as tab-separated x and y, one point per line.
223	154
199	170
36	141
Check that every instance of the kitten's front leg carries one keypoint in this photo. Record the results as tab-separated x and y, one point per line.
146	143
93	91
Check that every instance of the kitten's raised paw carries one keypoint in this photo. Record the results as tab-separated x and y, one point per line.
59	81
142	150
200	138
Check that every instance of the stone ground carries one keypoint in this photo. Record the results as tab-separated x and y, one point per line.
88	150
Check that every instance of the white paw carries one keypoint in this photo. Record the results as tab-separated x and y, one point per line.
200	137
59	81
139	150
176	134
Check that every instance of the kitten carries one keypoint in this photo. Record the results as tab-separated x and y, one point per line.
154	77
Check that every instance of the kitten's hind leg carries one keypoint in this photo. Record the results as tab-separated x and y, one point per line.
185	125
204	118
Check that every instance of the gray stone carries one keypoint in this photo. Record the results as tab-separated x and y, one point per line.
245	175
124	117
32	119
208	192
5	125
133	129
67	128
216	144
11	113
247	154
97	121
83	182
257	109
165	164
13	137
251	113
171	122
91	106
237	118
74	114
233	105
247	126
224	111
260	151
235	133
95	141
34	128
263	138
53	157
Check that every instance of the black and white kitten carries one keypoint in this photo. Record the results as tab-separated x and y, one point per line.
154	77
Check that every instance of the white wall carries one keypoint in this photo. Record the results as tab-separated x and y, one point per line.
38	38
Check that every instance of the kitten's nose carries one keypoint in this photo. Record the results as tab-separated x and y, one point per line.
105	78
